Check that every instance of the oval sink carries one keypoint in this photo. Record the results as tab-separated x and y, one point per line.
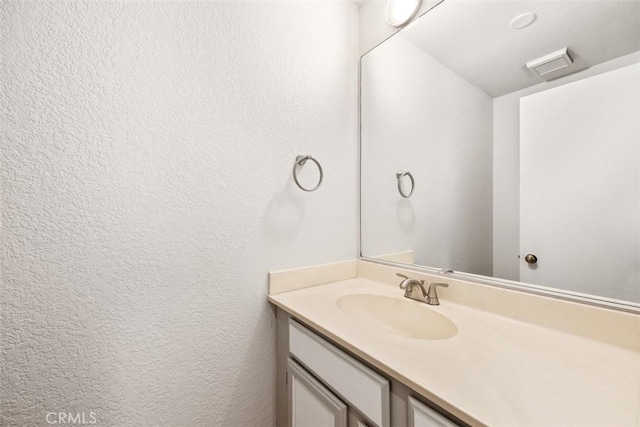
398	316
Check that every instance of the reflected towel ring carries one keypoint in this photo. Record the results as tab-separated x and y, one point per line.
400	175
300	161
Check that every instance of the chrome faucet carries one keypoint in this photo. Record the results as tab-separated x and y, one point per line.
409	285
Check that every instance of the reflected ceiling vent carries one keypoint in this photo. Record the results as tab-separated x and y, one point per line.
553	65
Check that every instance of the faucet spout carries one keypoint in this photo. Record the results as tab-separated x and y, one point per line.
409	286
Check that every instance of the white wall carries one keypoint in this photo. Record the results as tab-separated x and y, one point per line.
419	116
146	191
506	161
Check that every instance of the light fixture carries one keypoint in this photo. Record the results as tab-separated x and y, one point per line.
523	20
553	65
400	12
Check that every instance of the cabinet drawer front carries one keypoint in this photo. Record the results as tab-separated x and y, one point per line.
359	385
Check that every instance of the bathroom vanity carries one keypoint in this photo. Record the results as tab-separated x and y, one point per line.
352	351
328	386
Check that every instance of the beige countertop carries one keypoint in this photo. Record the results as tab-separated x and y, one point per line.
496	371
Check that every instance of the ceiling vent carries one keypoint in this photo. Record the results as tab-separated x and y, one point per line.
553	65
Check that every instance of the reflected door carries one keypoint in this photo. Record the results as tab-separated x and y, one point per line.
580	185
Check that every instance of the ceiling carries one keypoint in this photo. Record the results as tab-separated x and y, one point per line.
473	37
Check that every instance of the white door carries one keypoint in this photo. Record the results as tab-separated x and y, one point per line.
310	403
580	185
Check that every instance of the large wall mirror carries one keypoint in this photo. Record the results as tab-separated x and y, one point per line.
501	139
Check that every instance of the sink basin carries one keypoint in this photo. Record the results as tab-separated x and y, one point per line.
398	316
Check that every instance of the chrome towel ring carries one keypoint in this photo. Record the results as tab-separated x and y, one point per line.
399	176
300	161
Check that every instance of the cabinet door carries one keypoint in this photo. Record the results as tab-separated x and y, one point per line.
310	403
420	415
356	420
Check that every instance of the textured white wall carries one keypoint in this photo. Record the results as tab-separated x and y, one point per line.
419	116
146	191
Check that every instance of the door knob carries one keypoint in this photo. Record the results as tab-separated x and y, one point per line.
531	258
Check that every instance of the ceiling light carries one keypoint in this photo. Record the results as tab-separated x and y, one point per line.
522	20
400	12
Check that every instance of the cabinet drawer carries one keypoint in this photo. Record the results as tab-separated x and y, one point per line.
359	385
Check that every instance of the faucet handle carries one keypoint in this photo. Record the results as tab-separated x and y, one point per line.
433	286
432	295
403	281
408	283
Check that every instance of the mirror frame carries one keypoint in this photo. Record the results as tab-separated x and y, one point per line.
529	288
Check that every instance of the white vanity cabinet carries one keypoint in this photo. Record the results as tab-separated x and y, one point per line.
321	385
